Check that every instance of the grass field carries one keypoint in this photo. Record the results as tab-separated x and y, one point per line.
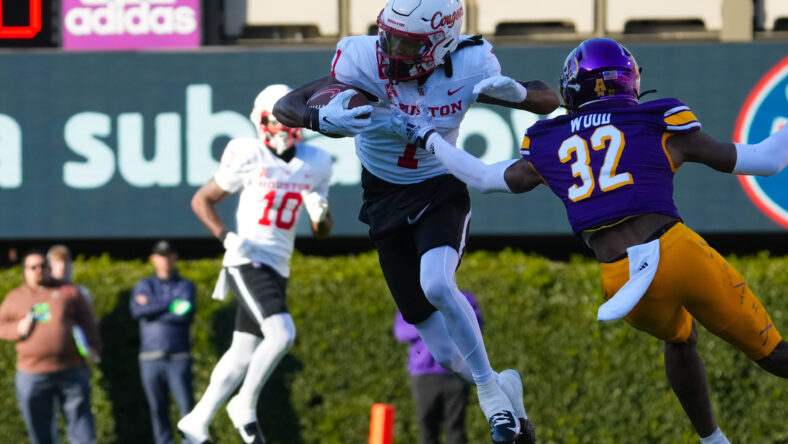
585	382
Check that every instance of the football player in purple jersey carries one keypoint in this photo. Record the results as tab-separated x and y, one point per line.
611	161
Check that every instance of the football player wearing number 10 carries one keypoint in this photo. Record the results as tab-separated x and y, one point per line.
275	175
418	214
611	161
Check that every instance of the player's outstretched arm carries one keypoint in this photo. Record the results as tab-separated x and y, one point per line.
511	176
534	96
763	159
291	108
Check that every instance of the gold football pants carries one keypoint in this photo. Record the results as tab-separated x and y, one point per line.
694	281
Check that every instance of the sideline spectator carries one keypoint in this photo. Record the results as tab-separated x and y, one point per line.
54	330
440	397
60	260
164	304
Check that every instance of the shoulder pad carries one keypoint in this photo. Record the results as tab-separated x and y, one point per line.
675	115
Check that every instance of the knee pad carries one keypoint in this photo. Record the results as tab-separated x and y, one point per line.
437	275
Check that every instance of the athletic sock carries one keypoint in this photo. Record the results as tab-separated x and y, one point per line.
279	332
492	399
715	438
460	320
225	377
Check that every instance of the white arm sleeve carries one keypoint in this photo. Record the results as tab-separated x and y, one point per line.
475	173
764	159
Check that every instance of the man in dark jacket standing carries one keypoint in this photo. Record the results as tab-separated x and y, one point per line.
164	304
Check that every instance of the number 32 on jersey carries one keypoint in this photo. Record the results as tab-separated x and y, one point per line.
605	137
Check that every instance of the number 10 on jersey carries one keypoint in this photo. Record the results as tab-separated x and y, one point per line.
289	206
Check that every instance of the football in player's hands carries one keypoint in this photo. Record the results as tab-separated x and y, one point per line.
324	95
338	111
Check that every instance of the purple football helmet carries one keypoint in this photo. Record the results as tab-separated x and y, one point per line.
599	69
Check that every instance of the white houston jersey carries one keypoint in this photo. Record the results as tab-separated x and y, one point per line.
383	152
270	199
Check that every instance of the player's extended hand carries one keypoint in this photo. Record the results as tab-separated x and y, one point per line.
415	129
234	242
335	118
316	205
501	88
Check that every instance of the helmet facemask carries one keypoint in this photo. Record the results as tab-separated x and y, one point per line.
415	37
403	56
273	134
276	136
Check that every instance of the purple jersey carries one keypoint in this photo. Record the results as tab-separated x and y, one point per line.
609	161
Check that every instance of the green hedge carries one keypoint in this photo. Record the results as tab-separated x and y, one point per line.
585	382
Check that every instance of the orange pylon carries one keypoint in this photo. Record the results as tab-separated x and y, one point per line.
381	424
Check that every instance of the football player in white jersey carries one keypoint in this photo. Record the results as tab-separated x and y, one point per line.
276	175
417	213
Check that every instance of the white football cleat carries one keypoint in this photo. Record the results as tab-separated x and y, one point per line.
245	421
193	431
240	415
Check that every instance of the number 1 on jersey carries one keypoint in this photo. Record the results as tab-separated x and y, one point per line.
408	159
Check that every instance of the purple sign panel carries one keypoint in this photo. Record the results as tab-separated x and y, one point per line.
130	24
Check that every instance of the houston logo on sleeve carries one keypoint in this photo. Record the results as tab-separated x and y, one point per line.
764	112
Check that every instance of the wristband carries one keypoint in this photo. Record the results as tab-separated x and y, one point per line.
421	142
311	119
223	234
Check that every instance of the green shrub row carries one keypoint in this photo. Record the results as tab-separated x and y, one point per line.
584	382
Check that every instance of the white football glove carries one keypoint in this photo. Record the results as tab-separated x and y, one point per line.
502	88
415	129
316	205
335	118
234	242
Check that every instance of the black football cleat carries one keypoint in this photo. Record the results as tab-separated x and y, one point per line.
251	434
504	428
527	432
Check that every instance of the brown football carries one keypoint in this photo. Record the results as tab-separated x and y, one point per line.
324	95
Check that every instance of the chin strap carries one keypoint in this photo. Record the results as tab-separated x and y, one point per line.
448	66
646	92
